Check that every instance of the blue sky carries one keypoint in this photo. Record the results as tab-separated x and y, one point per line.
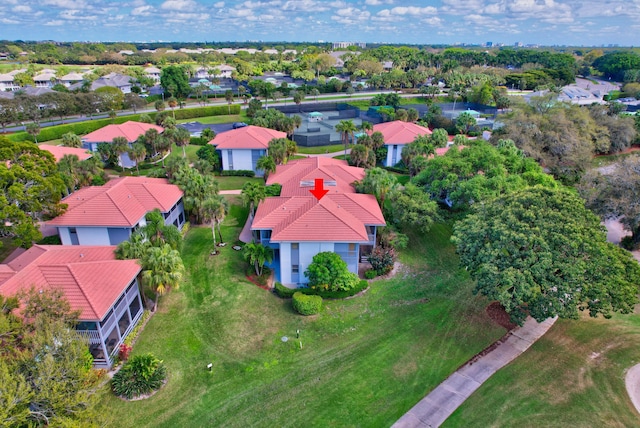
547	22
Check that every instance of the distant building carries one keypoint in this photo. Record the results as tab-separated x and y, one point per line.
344	45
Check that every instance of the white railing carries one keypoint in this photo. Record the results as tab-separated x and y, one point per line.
92	335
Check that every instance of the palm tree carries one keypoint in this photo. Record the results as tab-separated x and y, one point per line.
296	121
71	140
120	145
137	153
266	164
346	128
181	137
215	208
378	182
163	144
278	150
252	193
67	167
315	92
133	248
173	103
208	133
257	255
162	269
228	95
158	233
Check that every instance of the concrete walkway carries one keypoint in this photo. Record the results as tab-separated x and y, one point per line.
326	155
246	236
230	192
436	407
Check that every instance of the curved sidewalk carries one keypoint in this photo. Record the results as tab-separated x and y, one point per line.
440	403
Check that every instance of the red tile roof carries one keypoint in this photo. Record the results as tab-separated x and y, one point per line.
89	276
247	137
291	175
129	130
121	202
399	132
335	218
58	152
442	150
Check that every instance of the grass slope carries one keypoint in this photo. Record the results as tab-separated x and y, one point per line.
364	361
573	376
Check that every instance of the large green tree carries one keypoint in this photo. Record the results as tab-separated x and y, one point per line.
175	81
45	365
540	251
162	269
30	190
328	272
257	255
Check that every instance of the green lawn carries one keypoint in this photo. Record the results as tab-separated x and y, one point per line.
216	120
364	361
573	376
234	183
320	149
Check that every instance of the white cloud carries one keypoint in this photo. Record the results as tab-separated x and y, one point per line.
219	5
8	21
76	15
179	5
433	21
65	4
308	6
377	2
22	8
413	10
142	10
55	23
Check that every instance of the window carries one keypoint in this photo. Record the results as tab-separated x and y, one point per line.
134	307
295	269
107	318
295	246
73	235
123	323
130	287
181	218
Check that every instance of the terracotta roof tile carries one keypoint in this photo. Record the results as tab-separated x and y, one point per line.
247	137
58	152
120	202
399	132
129	130
291	175
89	276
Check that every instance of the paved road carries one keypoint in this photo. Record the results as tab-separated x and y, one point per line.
436	407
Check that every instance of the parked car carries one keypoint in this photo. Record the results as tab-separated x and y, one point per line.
237	125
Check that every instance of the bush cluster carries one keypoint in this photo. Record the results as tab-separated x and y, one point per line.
238	173
198	141
382	259
140	375
287	293
371	273
305	304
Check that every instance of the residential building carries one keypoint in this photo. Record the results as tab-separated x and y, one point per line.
241	148
115	80
109	214
297	226
130	130
7	83
71	78
397	134
153	73
104	290
223	71
45	80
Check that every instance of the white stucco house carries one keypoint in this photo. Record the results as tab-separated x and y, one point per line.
109	214
241	148
297	226
397	134
104	290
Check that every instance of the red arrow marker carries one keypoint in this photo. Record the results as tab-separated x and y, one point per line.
319	191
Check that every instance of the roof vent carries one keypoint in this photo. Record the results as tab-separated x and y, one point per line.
81	255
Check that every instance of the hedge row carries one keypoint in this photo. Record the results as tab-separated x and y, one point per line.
287	293
238	173
81	128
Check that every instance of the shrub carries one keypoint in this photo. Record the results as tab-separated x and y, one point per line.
133	335
382	259
306	305
140	375
627	243
50	240
238	173
273	189
198	141
328	272
124	351
284	292
371	273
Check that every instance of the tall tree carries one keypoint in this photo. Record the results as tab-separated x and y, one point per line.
33	129
539	251
252	194
175	81
162	269
378	182
266	164
137	153
257	255
215	208
346	129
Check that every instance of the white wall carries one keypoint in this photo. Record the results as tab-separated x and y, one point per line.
390	149
241	159
285	263
93	236
63	232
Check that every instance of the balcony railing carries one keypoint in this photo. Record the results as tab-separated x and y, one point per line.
92	335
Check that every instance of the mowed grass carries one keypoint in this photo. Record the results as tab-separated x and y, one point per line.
573	376
361	362
320	149
216	120
235	183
